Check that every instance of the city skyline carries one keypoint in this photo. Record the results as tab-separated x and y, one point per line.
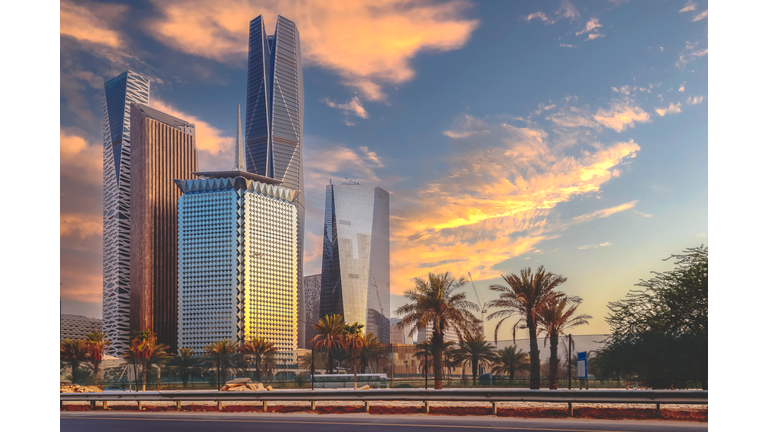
592	130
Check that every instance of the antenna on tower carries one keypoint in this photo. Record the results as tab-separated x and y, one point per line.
238	145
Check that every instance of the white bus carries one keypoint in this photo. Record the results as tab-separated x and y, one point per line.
348	380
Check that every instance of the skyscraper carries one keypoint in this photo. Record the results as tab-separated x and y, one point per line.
311	304
163	149
119	93
274	117
237	275
355	272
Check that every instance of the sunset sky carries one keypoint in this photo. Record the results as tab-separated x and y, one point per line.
571	134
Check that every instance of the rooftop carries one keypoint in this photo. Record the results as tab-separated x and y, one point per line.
163	117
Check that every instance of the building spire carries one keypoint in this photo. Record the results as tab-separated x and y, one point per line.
238	145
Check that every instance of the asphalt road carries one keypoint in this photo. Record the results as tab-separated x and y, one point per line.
302	422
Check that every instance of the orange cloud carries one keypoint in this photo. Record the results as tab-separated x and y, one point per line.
621	115
672	109
90	22
493	203
370	43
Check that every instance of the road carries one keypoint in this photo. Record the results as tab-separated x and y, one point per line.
302	422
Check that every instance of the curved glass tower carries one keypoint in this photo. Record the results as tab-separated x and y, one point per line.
274	117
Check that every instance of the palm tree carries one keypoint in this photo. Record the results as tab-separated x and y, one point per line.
510	361
305	361
72	353
96	343
330	336
146	351
219	355
475	351
262	353
353	341
557	315
185	364
437	301
372	353
525	296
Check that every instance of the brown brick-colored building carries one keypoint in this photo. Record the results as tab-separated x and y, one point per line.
162	149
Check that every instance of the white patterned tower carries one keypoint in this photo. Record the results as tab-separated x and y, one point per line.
119	92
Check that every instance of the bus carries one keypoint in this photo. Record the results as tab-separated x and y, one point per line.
348	380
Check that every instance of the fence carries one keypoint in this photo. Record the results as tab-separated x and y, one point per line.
502	364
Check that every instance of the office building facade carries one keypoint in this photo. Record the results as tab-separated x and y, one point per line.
119	93
355	268
77	326
237	257
274	117
162	149
311	305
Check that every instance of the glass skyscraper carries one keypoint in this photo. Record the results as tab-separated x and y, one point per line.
355	272
274	118
119	93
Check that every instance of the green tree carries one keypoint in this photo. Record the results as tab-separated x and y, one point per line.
220	356
373	353
525	296
184	365
510	361
96	343
439	302
660	332
262	353
475	351
558	315
321	358
73	353
330	336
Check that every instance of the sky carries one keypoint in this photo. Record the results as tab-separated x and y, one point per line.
569	134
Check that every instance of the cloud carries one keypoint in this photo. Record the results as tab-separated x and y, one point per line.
91	22
565	45
682	87
568	10
496	200
690	54
595	246
353	107
700	16
672	109
594	36
369	43
689	6
627	90
621	115
694	100
80	216
592	24
539	15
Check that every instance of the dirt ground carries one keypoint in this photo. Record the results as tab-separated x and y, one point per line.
504	409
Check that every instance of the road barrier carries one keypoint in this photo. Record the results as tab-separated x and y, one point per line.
492	396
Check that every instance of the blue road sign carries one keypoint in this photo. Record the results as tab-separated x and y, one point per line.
581	365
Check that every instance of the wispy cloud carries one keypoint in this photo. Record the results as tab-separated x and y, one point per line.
595	246
91	22
495	200
565	45
671	109
690	5
538	15
700	16
691	53
568	10
695	100
594	36
682	87
622	114
353	107
369	43
592	24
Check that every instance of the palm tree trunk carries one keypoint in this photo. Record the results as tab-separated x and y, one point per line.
437	342
553	362
330	360
474	372
144	377
534	354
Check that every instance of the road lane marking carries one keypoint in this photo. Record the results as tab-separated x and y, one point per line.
342	423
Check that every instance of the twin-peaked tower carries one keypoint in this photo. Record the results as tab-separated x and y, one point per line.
274	118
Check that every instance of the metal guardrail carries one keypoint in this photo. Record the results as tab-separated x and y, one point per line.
698	397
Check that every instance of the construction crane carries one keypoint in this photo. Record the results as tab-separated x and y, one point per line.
480	302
